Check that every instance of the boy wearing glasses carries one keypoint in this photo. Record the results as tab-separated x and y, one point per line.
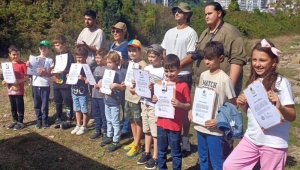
80	94
181	41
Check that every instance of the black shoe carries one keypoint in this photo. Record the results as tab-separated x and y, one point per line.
96	135
114	146
64	125
19	126
106	141
11	125
144	158
44	124
151	164
57	123
38	124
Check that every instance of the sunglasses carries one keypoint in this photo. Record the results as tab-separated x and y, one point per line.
116	31
178	10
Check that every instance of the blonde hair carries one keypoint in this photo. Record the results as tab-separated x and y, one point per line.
114	57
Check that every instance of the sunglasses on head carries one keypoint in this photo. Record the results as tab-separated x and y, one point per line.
177	10
116	31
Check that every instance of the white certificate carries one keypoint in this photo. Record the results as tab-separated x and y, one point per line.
108	79
142	83
163	106
265	113
203	105
8	73
35	63
129	75
74	72
61	62
88	74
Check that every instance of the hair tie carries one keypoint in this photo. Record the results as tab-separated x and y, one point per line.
264	43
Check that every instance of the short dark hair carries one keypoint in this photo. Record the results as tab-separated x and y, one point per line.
90	13
102	52
59	39
81	51
171	60
13	48
217	7
213	49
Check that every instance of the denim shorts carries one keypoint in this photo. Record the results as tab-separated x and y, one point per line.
80	103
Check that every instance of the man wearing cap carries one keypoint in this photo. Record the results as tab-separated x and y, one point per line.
181	40
91	37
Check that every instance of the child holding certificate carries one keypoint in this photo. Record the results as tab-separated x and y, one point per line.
98	108
209	137
61	90
156	72
268	146
80	94
112	102
171	128
16	90
41	86
132	109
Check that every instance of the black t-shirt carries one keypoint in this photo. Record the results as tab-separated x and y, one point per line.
59	80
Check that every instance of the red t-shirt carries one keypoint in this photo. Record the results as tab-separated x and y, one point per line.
20	70
183	96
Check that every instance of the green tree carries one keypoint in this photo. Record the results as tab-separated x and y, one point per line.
233	6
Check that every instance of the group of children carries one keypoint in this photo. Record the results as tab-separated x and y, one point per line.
268	146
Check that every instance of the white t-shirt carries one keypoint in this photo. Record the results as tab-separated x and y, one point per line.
277	136
94	38
43	81
223	86
154	74
180	42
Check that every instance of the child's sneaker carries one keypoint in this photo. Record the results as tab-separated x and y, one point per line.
151	164
106	141
11	125
133	152
75	130
114	146
128	147
144	158
44	124
82	130
64	125
19	126
185	144
95	135
38	124
57	123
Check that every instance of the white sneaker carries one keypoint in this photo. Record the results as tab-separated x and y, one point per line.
76	129
82	130
185	144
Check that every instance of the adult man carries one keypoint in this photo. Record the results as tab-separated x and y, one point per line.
181	41
91	37
235	53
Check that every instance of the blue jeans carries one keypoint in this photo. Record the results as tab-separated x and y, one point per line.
212	146
112	114
41	102
164	139
98	111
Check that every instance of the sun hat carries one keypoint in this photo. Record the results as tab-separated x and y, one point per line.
120	25
135	43
156	47
183	6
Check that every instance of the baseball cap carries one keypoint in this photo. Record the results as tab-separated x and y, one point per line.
183	6
135	43
120	25
155	47
45	43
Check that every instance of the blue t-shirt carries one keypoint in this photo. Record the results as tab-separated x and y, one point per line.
80	89
116	95
121	48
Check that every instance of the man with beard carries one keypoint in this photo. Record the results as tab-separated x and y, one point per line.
91	37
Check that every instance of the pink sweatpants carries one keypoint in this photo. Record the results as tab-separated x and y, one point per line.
246	154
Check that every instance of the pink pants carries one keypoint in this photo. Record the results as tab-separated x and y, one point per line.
246	154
